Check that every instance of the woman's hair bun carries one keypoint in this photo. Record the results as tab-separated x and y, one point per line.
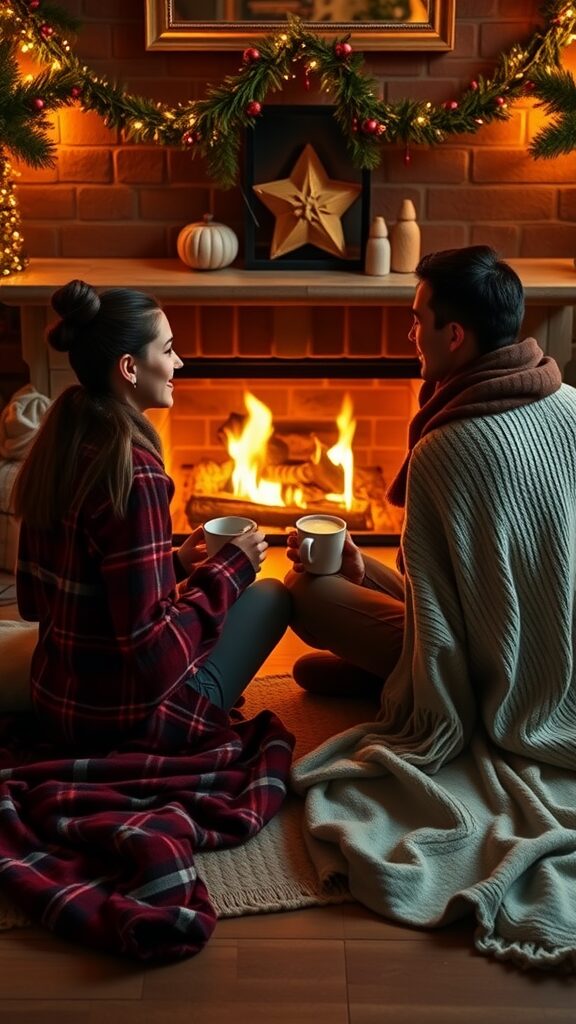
77	304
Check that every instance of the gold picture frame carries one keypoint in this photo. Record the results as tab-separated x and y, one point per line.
168	29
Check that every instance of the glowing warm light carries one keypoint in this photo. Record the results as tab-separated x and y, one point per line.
341	453
248	450
247	446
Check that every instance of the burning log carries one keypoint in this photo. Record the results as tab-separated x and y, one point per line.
209	477
319	472
199	508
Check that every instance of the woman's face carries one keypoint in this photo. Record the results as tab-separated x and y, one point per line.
154	370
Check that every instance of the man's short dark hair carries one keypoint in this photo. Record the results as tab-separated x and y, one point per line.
473	287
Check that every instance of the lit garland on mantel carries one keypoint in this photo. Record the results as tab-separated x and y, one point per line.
212	127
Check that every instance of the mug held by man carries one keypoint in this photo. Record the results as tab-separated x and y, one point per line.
320	543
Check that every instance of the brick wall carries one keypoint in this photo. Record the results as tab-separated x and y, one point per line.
107	198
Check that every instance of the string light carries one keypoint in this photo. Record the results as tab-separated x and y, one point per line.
12	256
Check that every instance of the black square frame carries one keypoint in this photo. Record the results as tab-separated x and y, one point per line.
272	148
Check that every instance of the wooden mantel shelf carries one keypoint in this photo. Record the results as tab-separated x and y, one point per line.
546	281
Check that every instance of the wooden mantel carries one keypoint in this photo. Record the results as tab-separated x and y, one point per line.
546	281
549	284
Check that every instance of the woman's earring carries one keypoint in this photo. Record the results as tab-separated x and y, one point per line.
134	381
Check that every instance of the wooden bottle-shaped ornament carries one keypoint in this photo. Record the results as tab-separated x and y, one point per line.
405	240
377	262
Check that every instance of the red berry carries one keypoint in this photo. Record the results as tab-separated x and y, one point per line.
370	126
251	55
500	101
46	31
451	105
474	84
191	138
34	5
75	92
38	103
342	50
253	108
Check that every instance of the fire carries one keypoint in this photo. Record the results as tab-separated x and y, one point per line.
341	453
248	452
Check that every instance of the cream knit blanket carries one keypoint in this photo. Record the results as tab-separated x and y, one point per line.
462	795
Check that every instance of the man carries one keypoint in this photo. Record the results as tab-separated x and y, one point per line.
461	795
467	305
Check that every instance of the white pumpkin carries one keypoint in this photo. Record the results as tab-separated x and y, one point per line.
207	245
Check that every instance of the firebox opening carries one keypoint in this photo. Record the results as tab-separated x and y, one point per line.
274	449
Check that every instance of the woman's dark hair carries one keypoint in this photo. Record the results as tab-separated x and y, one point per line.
95	330
473	287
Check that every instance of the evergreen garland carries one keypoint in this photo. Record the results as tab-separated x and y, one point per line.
557	90
212	127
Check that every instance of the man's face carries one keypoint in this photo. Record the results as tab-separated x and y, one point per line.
433	344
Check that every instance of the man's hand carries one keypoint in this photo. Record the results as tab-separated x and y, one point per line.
352	569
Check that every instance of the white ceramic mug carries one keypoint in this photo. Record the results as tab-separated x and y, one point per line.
218	532
320	543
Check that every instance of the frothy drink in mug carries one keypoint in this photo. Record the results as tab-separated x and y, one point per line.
321	525
320	543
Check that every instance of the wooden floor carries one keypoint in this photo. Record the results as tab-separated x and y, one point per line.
333	965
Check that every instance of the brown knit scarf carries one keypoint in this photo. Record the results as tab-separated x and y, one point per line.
495	382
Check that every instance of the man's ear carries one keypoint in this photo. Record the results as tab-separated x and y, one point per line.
126	367
456	336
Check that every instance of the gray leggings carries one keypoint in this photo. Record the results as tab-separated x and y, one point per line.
253	627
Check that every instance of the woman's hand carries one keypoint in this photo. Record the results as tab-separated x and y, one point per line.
193	550
254	545
352	568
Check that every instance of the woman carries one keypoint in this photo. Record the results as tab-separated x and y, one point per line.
118	638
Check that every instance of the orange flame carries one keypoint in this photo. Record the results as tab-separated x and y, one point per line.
341	453
248	452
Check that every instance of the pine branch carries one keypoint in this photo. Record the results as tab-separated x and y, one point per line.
32	146
57	16
555	139
556	89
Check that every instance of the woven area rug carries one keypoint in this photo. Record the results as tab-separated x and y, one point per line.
272	871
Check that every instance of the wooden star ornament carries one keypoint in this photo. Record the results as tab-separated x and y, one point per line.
308	206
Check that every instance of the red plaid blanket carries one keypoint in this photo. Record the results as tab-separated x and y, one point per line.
100	849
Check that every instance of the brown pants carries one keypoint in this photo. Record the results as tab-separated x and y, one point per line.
362	624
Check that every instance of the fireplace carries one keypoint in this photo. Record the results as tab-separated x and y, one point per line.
299	342
274	438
